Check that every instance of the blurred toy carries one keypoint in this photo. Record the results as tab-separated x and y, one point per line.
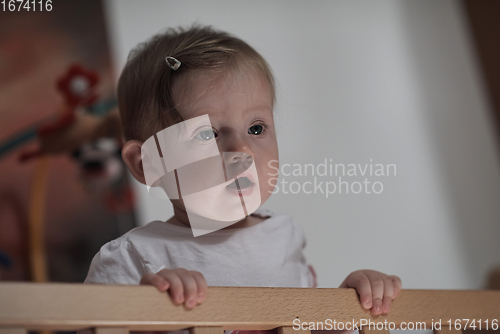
78	87
100	162
80	133
5	261
81	120
94	141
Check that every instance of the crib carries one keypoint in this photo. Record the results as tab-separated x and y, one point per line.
118	309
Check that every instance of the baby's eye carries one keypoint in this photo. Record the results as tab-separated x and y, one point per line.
256	129
206	135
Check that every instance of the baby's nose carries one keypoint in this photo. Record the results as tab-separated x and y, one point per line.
236	163
240	157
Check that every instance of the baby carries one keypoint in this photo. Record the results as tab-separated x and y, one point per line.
197	112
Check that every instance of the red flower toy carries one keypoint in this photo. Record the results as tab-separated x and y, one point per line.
78	86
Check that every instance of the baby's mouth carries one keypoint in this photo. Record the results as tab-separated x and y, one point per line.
243	183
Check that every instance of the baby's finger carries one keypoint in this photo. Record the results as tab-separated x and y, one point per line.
377	285
176	287
363	287
153	279
201	284
190	288
397	285
388	293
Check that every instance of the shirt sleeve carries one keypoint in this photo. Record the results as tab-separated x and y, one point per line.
309	279
117	262
314	280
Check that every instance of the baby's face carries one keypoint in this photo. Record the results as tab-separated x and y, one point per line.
240	109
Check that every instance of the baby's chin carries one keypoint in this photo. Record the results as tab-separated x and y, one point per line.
217	205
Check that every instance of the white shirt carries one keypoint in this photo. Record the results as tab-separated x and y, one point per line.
268	254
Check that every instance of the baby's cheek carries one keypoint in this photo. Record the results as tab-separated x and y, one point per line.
267	181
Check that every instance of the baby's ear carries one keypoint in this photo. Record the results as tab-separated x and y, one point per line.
131	154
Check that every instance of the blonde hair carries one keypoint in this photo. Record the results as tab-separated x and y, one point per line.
145	84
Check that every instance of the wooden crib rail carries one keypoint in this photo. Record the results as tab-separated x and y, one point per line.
117	309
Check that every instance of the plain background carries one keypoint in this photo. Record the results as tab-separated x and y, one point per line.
392	81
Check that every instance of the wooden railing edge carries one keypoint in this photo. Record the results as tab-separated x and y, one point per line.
65	306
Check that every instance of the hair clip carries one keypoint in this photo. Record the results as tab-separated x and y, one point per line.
175	65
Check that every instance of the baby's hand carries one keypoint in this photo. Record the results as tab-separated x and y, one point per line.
184	285
376	290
